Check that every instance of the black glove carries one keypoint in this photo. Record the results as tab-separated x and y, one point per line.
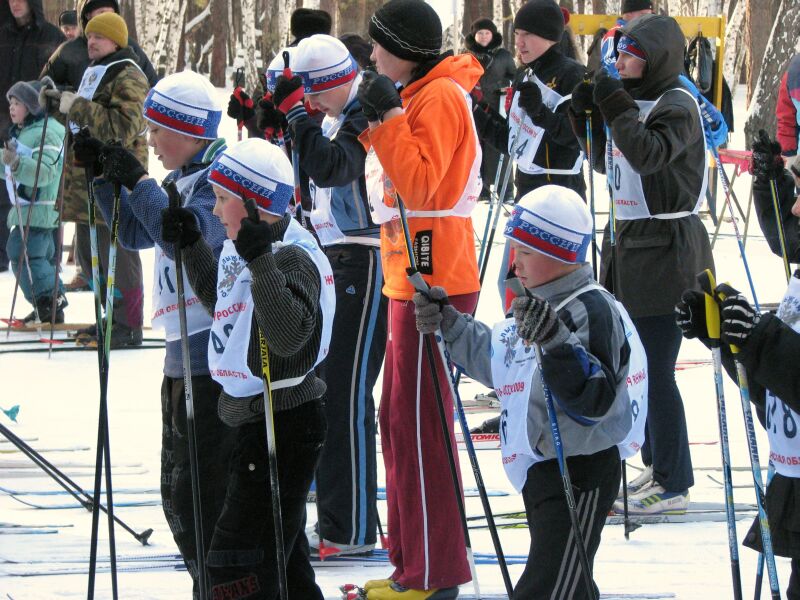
433	312
288	92
87	150
179	226
121	166
240	106
529	98
583	98
269	117
377	95
604	86
536	320
767	160
255	236
738	318
690	315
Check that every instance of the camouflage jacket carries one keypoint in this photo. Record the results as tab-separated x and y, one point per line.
113	114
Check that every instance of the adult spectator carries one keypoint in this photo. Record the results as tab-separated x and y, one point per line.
68	23
26	41
787	109
66	67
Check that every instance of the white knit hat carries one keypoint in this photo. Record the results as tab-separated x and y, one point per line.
277	65
185	102
255	169
324	63
554	221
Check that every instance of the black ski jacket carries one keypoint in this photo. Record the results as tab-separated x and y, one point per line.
499	68
23	51
69	61
559	147
762	195
656	259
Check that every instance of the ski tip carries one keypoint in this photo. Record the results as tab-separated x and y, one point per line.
14	323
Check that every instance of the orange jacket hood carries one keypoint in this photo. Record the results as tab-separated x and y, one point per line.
464	69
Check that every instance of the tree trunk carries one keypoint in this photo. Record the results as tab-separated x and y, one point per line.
783	43
735	51
218	50
759	18
249	44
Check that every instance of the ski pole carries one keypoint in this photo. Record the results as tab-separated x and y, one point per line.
616	282
194	466
67	483
103	451
437	390
773	188
755	465
27	227
519	290
707	285
726	186
298	198
421	286
59	246
272	454
760	566
590	158
238	79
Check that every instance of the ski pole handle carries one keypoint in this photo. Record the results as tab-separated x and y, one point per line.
707	284
172	193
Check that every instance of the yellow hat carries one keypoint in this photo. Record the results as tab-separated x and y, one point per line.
110	25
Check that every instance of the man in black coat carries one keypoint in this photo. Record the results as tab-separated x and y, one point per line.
26	41
66	67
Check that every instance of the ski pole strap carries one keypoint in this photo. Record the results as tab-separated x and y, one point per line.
707	283
724	290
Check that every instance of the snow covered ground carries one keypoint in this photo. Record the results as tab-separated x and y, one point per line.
59	399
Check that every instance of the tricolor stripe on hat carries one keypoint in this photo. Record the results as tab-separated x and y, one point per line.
629	46
329	78
547	237
184	102
324	63
242	180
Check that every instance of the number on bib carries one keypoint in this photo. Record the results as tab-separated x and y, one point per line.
219	347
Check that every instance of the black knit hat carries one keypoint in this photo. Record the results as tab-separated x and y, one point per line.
483	23
409	29
306	22
541	17
632	5
68	17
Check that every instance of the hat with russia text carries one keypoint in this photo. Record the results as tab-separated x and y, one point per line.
323	63
185	102
554	221
257	169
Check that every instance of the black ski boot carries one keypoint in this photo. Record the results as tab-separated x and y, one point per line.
44	304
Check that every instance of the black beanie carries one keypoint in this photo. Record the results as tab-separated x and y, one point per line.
632	5
306	22
408	29
483	23
541	17
68	17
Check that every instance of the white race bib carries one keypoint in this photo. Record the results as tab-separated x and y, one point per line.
531	135
629	201
321	217
783	424
90	81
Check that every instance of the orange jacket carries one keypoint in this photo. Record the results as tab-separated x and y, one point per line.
427	153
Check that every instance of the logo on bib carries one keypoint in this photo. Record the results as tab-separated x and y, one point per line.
231	266
509	339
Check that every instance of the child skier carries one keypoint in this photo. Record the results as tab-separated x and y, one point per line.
272	280
183	115
594	364
331	158
20	157
765	342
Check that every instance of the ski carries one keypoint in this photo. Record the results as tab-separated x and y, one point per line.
10	463
354	592
28	531
34	472
62	492
61	505
75	348
19	325
468	493
15	450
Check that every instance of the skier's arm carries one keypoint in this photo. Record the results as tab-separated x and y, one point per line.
787	118
557	126
200	266
765	211
49	169
583	363
330	163
286	287
492	127
132	234
470	345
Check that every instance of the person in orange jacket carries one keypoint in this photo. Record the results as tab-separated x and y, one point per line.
423	149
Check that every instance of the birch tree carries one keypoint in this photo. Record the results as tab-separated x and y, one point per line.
735	51
782	45
249	44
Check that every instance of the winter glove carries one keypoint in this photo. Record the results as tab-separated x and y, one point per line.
610	96
288	93
690	315
767	162
583	98
530	99
240	106
433	311
269	117
536	320
179	227
66	102
10	156
49	99
120	166
377	95
255	236
87	150
738	318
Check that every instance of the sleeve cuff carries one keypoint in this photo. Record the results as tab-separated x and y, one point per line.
616	104
298	112
560	338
